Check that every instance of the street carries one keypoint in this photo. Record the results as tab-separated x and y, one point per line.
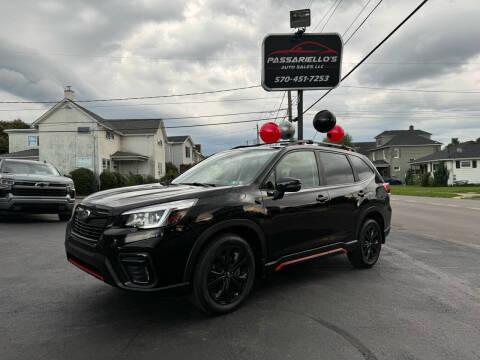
421	301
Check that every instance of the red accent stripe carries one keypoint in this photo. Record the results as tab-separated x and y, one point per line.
309	257
98	276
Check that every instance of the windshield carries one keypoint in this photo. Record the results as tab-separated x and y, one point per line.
228	168
17	167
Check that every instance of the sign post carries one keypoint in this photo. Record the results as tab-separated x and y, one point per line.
301	61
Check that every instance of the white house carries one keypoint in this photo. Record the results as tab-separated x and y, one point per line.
70	136
462	162
181	150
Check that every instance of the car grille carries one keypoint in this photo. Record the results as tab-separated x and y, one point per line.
27	188
91	228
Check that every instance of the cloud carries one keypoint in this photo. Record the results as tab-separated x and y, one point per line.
110	49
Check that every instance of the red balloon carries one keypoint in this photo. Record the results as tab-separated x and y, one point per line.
336	134
270	132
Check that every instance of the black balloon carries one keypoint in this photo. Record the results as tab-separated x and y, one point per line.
324	121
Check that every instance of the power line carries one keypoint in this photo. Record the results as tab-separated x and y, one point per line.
363	22
333	12
136	98
371	52
279	106
165	127
356	17
177	118
414	90
325	15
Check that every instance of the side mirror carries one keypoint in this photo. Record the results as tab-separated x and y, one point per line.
68	176
286	185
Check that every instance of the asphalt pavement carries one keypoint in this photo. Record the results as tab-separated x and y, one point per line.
421	301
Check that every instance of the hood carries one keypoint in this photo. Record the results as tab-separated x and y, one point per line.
131	197
38	178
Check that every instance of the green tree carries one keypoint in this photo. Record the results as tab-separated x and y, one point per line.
453	143
409	177
4	125
347	140
440	176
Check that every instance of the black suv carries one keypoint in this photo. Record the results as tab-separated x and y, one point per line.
237	215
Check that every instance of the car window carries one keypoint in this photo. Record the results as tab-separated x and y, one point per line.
337	168
363	170
300	165
237	167
17	167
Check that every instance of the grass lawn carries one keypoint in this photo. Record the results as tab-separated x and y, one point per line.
448	191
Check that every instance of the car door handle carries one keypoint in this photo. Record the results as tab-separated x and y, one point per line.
322	198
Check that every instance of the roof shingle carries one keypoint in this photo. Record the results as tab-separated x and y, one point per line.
469	149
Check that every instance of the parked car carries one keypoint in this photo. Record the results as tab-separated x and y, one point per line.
35	187
236	216
392	181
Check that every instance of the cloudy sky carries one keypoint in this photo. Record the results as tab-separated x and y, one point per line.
111	49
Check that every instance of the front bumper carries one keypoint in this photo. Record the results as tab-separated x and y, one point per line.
36	204
133	270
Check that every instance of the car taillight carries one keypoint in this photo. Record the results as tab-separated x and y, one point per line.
387	187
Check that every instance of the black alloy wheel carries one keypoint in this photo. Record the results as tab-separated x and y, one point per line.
224	275
370	245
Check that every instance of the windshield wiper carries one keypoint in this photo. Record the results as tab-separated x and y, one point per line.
198	184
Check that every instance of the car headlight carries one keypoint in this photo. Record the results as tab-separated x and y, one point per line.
158	215
6	182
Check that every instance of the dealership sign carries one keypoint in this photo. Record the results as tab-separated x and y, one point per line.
305	62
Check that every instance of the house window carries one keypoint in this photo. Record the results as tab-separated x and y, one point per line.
435	167
160	142
396	153
474	164
384	157
32	141
396	168
110	135
160	170
465	164
457	164
187	151
106	164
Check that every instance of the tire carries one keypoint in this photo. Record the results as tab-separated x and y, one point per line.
370	245
224	275
65	215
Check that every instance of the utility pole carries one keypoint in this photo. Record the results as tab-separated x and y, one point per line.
300	114
289	106
258	136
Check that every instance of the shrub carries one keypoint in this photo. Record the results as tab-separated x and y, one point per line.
409	177
171	172
149	179
426	179
121	180
108	180
133	180
440	176
84	181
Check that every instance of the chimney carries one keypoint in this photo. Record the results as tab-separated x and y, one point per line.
198	147
69	93
410	128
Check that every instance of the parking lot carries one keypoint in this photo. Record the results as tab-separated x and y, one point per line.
421	301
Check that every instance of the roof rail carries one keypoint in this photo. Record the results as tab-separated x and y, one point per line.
299	142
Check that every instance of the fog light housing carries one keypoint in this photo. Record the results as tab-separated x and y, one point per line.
138	269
